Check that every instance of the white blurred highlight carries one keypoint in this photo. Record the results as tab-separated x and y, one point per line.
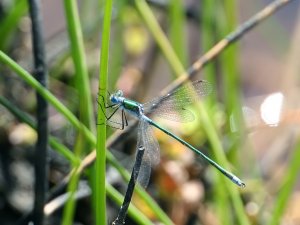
270	109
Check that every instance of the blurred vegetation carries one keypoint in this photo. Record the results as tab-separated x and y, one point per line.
144	46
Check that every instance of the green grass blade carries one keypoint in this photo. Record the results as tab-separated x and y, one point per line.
232	98
291	177
221	202
208	39
231	75
100	203
177	31
47	95
210	22
69	209
10	22
117	49
160	37
79	61
83	87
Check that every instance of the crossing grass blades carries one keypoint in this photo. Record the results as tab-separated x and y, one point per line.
172	107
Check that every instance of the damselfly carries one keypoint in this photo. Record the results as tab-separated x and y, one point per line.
173	107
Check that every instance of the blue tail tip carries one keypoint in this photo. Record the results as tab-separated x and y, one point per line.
238	181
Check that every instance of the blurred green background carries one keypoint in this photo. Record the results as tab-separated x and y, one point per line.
252	116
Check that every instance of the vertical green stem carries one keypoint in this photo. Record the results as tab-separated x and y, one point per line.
177	30
159	36
10	21
209	36
100	195
79	61
69	207
208	39
82	85
231	73
291	177
117	49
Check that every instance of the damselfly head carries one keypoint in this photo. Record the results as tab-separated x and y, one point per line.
114	98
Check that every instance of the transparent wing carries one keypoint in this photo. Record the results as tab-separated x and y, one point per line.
173	105
151	156
116	119
175	114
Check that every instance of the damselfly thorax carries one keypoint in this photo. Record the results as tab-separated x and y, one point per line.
133	107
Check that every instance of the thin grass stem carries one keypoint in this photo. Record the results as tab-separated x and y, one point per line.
79	61
177	31
100	202
9	23
159	36
85	103
286	187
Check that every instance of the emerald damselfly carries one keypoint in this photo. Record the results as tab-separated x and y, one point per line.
173	107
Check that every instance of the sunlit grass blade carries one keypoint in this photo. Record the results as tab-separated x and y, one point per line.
11	20
84	93
160	37
212	29
208	34
287	185
79	62
100	195
177	33
47	95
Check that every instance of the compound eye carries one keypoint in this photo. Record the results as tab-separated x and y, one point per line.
113	98
119	93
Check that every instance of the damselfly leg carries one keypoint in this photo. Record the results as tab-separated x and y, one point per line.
114	114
